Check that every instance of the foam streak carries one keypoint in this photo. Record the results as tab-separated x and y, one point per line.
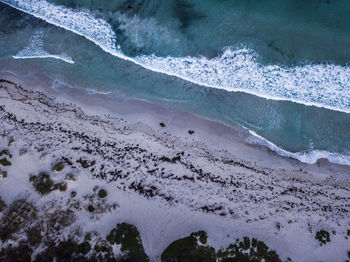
322	85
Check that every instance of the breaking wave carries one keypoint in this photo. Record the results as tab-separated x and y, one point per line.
310	157
322	85
237	69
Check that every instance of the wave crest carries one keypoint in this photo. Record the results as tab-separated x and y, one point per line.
310	157
322	85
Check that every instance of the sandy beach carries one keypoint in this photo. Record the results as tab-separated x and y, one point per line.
166	171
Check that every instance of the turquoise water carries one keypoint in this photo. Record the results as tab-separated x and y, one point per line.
278	68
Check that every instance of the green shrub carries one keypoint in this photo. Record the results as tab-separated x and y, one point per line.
102	246
249	251
18	215
68	250
42	183
62	186
58	166
188	249
83	248
102	193
129	238
2	205
20	253
5	152
34	236
91	208
70	176
323	237
5	162
201	235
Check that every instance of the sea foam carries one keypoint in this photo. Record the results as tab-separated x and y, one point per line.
310	157
35	50
237	69
322	85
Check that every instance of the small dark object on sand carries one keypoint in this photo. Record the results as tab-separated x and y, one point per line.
191	132
162	124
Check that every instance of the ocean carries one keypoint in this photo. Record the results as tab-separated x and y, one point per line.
277	68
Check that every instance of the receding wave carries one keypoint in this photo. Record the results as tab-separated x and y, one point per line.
310	157
323	85
35	50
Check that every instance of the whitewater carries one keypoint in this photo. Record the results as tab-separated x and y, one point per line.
237	69
35	50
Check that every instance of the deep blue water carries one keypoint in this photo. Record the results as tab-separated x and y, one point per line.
278	68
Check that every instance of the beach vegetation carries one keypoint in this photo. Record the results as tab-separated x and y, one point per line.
18	215
60	219
3	174
191	248
11	141
5	152
67	250
247	250
34	236
129	238
70	176
62	186
59	166
202	236
2	205
42	183
5	162
83	248
19	253
323	237
102	193
278	226
102	246
91	208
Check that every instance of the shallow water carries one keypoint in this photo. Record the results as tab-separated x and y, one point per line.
220	59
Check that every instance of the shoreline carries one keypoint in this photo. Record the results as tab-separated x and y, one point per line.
167	181
154	113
